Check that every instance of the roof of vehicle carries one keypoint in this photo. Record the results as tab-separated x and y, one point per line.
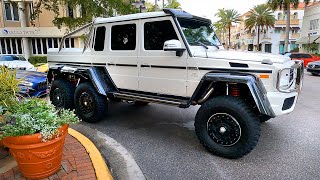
165	12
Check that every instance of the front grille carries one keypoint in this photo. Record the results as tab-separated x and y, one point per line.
291	74
313	66
42	85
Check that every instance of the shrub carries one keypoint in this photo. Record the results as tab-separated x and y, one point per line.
35	60
9	87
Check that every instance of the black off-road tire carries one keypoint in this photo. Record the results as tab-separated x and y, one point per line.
90	106
235	110
140	103
62	93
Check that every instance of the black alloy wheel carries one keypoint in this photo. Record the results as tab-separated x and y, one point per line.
224	129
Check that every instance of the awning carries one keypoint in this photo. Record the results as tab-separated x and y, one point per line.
306	40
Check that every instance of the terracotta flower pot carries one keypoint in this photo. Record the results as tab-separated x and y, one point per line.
37	159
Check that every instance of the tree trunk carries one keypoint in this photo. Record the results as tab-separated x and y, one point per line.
286	41
229	36
258	42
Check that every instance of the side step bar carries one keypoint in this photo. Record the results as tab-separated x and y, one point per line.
129	96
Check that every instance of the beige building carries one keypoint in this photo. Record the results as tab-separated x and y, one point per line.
271	40
311	27
19	36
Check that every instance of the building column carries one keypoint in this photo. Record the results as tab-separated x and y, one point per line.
23	21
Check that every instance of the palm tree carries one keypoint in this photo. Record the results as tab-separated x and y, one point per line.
227	17
260	17
285	5
220	30
174	4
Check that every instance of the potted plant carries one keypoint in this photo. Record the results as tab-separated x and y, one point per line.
34	132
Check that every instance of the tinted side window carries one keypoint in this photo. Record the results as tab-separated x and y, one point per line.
306	56
100	38
123	37
294	56
156	33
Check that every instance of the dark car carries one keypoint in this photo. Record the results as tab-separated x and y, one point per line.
314	67
34	84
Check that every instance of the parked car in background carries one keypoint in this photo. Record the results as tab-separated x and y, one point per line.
314	68
43	68
34	84
16	62
305	57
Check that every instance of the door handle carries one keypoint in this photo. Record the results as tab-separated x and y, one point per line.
111	64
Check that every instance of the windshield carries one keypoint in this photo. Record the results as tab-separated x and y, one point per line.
12	58
197	32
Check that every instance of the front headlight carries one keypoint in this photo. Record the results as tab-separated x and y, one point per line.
286	79
27	83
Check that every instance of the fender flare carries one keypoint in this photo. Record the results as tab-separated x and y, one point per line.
254	84
99	76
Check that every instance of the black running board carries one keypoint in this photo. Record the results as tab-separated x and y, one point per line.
152	99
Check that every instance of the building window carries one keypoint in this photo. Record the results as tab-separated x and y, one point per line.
31	10
41	45
156	33
279	16
314	24
123	37
267	48
70	12
11	10
10	46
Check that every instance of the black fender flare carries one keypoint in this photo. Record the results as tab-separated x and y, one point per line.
254	84
99	76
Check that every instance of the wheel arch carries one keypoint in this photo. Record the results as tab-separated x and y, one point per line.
210	83
98	76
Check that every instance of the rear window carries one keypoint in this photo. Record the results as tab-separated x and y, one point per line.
300	56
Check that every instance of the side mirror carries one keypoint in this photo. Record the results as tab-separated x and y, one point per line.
174	45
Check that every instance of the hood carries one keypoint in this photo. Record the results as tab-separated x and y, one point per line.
242	56
32	76
18	64
315	62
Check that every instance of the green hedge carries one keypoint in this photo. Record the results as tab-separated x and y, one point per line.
35	60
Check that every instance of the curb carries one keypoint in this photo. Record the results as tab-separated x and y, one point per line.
120	162
101	169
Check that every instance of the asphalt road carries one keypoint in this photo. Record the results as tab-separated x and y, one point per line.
164	145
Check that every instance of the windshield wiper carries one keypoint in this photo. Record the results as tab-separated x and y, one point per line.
203	45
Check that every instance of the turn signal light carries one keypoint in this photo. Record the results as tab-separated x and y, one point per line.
264	76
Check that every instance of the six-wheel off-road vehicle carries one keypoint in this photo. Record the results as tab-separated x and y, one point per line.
175	58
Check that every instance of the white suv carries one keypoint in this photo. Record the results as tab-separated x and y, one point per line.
175	58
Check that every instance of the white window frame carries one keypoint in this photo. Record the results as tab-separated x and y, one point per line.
11	10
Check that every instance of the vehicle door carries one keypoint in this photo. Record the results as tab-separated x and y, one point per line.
161	72
122	61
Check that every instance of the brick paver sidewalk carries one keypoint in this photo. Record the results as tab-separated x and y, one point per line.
76	164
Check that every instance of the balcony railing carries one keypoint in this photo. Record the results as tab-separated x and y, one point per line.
291	36
283	22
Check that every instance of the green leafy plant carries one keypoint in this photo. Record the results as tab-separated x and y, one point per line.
31	116
9	87
36	60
